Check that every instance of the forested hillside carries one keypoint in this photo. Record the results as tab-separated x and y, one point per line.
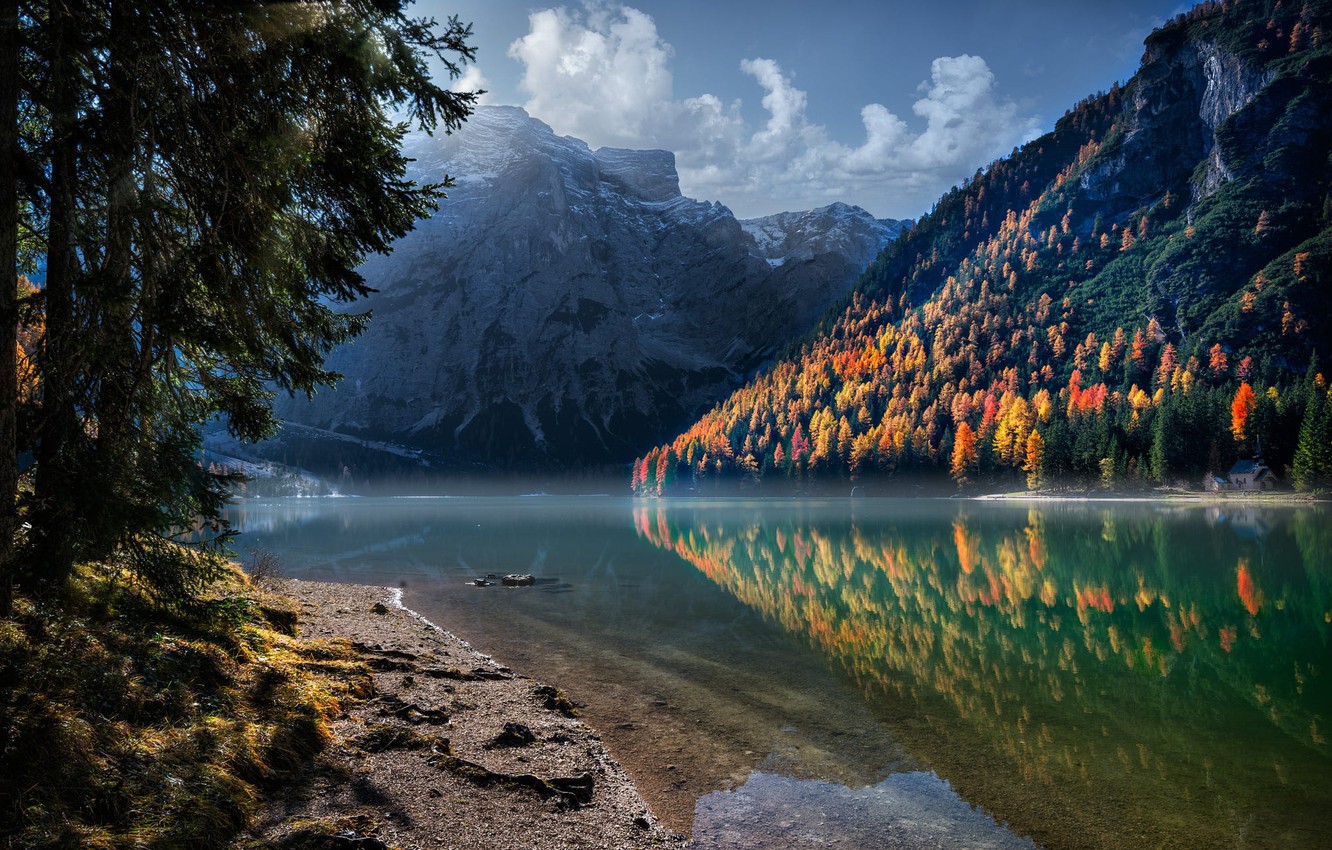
1138	297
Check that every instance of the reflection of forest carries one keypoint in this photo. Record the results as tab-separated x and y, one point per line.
1094	677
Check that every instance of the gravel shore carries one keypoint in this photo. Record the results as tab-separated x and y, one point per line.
453	750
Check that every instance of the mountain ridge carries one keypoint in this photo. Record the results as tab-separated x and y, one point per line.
568	306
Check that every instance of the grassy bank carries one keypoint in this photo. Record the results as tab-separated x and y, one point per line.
129	723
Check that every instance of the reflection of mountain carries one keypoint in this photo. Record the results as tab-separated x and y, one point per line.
1093	677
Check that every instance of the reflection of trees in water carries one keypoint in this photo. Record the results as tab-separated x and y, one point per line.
1142	668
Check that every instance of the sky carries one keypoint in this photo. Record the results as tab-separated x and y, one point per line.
779	105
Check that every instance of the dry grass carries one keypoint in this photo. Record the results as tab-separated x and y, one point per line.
127	724
263	567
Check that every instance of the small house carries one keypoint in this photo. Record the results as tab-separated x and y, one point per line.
1245	476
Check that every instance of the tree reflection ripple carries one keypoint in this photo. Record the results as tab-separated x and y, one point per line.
1096	677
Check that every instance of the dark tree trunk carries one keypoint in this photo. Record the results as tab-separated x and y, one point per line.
54	516
115	368
9	95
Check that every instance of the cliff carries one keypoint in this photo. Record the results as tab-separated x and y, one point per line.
567	307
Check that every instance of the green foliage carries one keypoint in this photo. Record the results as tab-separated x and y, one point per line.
204	182
1312	466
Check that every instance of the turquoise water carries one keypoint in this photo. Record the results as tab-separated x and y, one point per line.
881	673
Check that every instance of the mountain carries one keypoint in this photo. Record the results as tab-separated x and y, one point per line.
1134	298
568	307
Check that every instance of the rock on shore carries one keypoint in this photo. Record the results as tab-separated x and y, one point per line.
453	750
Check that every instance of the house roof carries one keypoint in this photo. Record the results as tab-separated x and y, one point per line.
1243	467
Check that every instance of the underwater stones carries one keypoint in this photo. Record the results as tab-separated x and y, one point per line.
510	580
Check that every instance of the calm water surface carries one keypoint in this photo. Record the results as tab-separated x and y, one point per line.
881	673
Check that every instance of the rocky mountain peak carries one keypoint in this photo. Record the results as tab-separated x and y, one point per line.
838	227
646	175
1184	91
566	306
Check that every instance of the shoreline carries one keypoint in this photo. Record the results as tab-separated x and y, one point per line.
454	749
1171	497
1279	498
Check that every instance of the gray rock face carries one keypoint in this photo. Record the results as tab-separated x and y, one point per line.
1230	87
837	230
568	307
1183	93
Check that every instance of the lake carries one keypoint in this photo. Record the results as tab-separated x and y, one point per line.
895	673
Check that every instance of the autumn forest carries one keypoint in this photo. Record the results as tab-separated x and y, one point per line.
1098	309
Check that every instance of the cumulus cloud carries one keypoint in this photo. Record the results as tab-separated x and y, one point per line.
598	75
603	74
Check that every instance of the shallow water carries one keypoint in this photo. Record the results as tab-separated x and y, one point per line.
882	673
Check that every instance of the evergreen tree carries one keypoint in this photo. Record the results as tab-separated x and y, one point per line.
1312	466
1158	455
9	205
216	174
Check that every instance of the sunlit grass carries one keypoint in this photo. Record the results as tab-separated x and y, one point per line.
132	724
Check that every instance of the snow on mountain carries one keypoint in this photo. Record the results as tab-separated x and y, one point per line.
836	228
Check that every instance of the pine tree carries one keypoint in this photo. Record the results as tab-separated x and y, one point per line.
1157	460
211	178
1312	465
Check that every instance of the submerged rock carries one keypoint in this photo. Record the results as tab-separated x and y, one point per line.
510	580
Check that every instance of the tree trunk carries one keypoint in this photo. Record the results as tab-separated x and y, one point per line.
115	461
54	515
9	95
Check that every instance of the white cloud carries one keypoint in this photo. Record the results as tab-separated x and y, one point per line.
786	111
603	74
472	80
598	76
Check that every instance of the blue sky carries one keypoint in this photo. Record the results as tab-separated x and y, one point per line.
776	105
